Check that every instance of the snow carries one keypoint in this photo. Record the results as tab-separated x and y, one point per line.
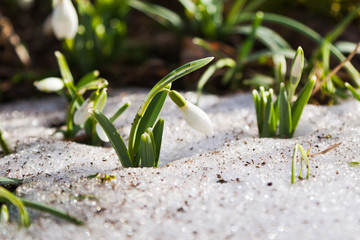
226	185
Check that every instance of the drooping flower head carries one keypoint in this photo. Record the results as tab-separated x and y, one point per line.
51	84
193	115
64	20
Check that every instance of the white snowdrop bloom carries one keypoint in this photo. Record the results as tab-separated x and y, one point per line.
298	65
64	20
193	115
82	114
196	118
101	134
51	84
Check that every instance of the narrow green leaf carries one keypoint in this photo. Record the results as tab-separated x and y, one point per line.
268	116
86	79
66	74
120	111
158	133
96	84
162	15
284	114
9	183
353	91
293	164
256	99
53	211
9	197
298	106
114	137
224	62
150	116
146	151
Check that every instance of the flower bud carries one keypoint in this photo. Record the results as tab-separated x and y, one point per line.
51	84
64	20
298	63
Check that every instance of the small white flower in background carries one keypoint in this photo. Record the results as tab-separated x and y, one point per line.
101	134
64	20
82	114
51	84
193	115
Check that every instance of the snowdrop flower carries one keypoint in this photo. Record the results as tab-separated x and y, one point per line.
193	115
64	20
298	64
51	84
82	114
101	134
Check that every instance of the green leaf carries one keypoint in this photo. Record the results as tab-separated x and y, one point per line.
256	99
114	137
147	154
224	62
298	106
53	211
267	128
96	84
285	122
86	79
158	133
150	116
9	183
66	74
353	91
120	111
162	15
7	196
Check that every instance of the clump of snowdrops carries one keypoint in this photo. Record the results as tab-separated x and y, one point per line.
146	132
77	116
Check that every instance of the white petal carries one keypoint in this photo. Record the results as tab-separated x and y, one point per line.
50	84
196	118
82	114
101	134
65	20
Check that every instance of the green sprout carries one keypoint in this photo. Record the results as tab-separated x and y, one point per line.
283	112
146	131
4	144
304	156
77	116
8	198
